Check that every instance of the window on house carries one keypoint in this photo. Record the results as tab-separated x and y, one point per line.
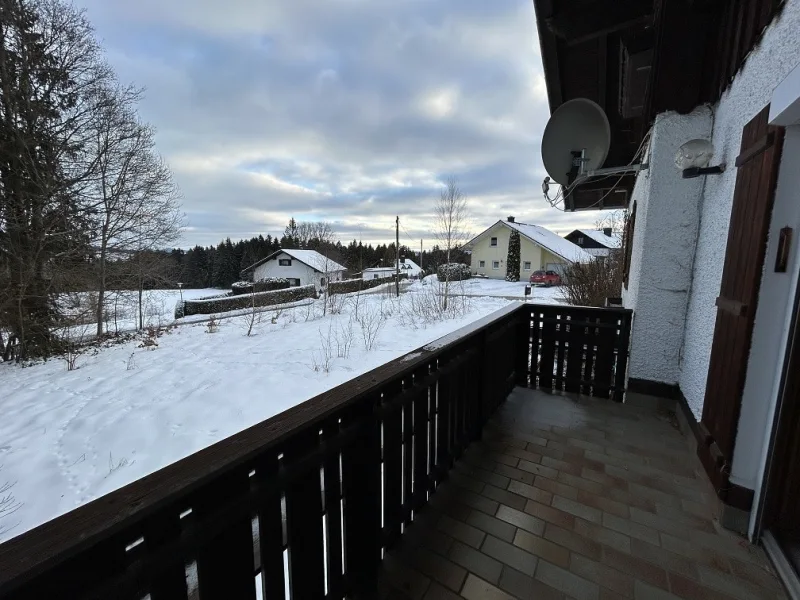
322	281
294	282
495	264
580	241
493	242
482	264
375	276
285	262
526	266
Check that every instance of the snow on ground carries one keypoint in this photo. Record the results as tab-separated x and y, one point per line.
122	308
67	437
504	289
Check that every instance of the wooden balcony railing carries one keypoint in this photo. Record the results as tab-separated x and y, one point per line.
577	349
322	489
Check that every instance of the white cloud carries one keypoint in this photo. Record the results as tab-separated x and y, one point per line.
439	104
349	110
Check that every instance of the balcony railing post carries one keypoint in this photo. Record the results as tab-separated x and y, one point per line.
621	368
457	412
392	452
488	379
522	346
270	528
304	521
225	566
333	511
443	421
361	471
473	392
422	439
171	581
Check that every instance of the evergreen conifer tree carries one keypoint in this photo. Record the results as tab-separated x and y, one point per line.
512	260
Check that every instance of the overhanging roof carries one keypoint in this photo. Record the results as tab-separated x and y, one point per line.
581	45
638	58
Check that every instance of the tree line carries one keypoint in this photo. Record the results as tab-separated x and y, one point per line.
219	266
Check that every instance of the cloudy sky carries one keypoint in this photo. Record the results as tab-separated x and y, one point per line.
351	111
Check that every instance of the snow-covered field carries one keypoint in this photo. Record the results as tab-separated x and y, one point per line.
122	309
67	437
509	289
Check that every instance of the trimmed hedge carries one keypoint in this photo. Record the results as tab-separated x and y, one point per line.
263	285
219	305
180	306
453	272
358	285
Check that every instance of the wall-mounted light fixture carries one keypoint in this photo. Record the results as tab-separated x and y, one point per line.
693	157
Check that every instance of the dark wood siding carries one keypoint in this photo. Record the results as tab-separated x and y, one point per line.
741	279
741	24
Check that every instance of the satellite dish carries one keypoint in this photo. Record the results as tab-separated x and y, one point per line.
577	125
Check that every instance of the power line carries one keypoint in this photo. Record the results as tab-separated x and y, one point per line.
407	234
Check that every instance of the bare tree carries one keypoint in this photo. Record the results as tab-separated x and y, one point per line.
614	220
8	506
314	235
253	316
146	270
134	200
450	225
320	236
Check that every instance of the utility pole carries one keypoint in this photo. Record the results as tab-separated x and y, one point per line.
420	257
397	263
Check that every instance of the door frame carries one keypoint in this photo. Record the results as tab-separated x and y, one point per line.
767	508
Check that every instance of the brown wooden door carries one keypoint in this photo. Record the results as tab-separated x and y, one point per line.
736	305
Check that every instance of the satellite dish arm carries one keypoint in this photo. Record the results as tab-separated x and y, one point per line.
610	171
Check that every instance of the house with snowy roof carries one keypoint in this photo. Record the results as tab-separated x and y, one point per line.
540	249
597	242
300	267
407	267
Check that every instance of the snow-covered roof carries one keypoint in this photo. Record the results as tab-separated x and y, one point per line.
547	239
315	260
609	241
312	258
406	265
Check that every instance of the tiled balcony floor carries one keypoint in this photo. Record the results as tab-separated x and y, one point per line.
575	498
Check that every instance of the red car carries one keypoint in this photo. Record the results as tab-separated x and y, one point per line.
547	278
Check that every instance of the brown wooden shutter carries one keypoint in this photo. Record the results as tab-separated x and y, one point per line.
628	244
753	198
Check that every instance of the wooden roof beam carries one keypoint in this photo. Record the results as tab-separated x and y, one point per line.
549	50
582	23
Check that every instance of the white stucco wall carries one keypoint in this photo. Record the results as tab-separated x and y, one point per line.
768	64
667	218
770	333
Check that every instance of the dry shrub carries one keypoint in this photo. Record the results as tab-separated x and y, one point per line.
589	284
